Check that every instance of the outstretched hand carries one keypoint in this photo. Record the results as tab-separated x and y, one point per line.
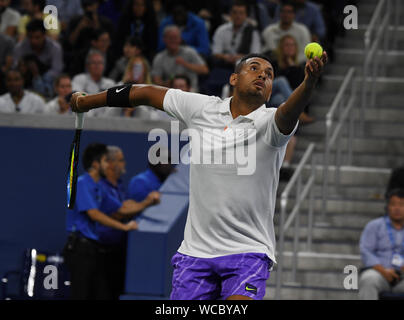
315	67
73	99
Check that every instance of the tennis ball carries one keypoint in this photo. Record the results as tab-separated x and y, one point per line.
313	49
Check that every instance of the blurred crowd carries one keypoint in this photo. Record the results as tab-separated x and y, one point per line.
189	45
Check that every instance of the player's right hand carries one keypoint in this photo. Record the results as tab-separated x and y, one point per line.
75	101
132	225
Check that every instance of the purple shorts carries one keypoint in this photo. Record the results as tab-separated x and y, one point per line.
218	278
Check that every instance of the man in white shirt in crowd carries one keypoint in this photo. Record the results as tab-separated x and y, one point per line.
59	105
93	81
286	25
236	38
9	19
17	99
229	239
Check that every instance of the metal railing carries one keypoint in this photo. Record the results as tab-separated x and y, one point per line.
301	193
377	31
336	118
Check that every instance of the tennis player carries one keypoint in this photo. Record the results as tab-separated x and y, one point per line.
229	240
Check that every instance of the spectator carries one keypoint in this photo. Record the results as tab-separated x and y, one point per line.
132	48
234	39
194	32
137	70
138	20
84	253
6	52
34	10
181	82
177	59
114	239
150	180
67	9
396	180
48	51
159	10
287	25
93	81
101	42
81	28
309	14
9	19
286	65
112	9
382	250
59	105
35	79
231	41
17	99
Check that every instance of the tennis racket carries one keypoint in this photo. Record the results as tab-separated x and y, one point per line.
74	162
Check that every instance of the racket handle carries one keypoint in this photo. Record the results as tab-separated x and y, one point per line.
79	120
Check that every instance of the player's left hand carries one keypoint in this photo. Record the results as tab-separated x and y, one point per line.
315	67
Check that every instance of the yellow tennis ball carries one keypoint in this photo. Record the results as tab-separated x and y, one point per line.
313	49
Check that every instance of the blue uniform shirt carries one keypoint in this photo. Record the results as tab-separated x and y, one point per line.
90	195
142	184
106	234
375	244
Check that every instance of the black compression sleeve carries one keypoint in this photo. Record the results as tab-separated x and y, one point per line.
119	96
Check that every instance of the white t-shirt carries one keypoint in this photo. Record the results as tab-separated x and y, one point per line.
229	212
30	103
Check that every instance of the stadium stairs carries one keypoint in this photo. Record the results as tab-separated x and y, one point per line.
320	273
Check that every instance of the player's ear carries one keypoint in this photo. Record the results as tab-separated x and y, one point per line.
233	79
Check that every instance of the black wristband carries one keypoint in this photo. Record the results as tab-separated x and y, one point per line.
119	96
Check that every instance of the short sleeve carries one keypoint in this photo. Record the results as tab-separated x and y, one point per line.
184	105
137	190
273	136
85	199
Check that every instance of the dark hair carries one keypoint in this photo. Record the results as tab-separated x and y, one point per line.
40	3
97	33
241	3
242	61
395	192
36	25
288	3
181	76
93	152
135	41
60	77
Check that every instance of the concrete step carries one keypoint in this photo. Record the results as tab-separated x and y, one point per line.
336	219
359	145
321	262
356	43
342	69
359	33
329	233
359	192
297	292
312	278
353	206
351	176
382	84
371	129
355	57
359	159
326	246
378	113
392	100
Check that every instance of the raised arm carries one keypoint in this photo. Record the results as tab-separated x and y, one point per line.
288	113
121	96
